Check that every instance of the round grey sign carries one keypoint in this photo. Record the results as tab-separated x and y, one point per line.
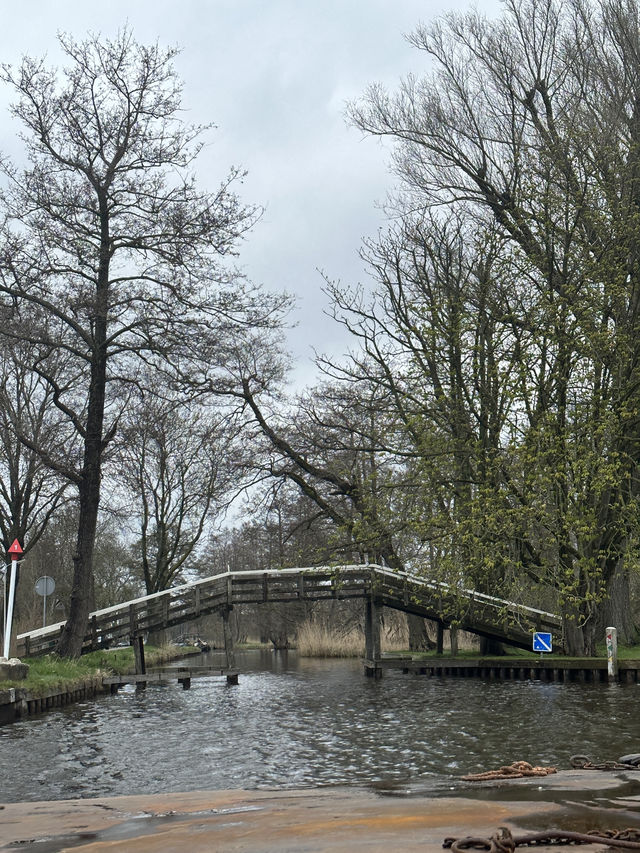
45	585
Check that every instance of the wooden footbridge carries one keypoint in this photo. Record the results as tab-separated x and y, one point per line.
485	615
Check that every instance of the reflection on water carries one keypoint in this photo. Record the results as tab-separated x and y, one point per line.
301	722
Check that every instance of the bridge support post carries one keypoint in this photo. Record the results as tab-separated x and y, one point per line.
372	637
138	654
228	639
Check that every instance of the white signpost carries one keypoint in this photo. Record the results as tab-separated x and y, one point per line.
612	653
15	551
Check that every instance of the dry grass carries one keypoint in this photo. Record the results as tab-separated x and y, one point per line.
318	640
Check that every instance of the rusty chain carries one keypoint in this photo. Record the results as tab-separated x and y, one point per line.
583	762
502	841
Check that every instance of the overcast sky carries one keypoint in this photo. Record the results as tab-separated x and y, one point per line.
274	76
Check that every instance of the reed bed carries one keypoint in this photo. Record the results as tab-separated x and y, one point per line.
319	640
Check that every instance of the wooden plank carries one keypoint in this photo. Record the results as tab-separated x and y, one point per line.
165	675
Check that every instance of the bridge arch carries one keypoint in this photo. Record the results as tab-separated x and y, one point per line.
378	586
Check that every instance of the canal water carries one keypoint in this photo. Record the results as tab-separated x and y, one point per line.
298	722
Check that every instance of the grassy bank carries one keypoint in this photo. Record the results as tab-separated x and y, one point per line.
49	672
624	653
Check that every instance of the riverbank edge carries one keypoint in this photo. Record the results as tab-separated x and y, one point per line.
18	702
564	670
315	819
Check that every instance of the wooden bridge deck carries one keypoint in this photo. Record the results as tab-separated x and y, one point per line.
472	611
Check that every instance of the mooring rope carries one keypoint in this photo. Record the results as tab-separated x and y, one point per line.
502	841
510	771
579	762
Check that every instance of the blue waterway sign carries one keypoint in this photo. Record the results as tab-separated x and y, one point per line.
542	642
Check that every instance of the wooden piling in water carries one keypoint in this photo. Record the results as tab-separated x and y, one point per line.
372	636
228	638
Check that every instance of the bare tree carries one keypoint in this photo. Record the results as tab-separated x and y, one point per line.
111	255
181	466
30	491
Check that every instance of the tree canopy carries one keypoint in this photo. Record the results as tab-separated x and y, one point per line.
500	343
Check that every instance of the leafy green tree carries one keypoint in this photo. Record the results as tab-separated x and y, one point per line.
530	121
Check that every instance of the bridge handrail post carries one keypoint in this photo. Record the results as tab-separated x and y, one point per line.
138	655
133	623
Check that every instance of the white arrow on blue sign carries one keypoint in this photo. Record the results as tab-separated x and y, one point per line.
542	642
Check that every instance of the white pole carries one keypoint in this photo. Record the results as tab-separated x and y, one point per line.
9	620
612	654
44	608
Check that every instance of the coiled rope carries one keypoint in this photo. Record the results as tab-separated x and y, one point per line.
510	771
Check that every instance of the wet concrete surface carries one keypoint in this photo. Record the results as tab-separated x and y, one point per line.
326	819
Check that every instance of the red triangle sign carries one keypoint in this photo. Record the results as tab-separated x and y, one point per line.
15	548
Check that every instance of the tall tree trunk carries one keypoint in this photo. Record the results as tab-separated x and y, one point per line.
419	639
491	647
615	608
579	635
70	643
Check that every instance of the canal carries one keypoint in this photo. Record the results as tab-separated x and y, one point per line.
293	723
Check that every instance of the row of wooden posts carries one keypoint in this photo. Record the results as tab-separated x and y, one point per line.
372	647
372	624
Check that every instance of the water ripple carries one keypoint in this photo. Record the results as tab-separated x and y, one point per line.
293	723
